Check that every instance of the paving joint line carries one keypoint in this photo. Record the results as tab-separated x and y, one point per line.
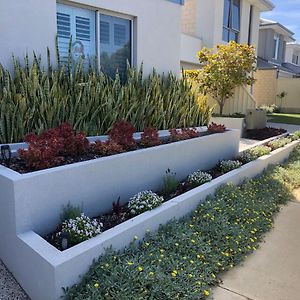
236	293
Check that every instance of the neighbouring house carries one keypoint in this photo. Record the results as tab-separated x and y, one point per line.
208	23
292	57
137	31
277	68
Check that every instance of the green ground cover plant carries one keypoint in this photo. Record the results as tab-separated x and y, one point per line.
185	258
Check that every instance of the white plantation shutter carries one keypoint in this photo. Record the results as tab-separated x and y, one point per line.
115	44
78	24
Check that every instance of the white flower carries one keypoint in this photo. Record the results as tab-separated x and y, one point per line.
198	178
144	201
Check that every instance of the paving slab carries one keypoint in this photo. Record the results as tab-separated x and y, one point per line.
221	293
273	271
246	144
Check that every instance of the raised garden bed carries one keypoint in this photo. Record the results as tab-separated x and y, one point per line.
32	203
25	251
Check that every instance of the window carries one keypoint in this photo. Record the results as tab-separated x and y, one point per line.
115	44
250	25
295	59
231	20
76	30
276	46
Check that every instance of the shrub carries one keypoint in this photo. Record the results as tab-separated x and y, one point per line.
183	134
50	147
229	165
170	183
190	132
198	178
34	98
122	134
216	128
296	134
106	148
80	229
254	153
144	201
279	143
150	137
70	212
270	109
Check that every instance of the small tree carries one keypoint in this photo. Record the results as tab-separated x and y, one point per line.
223	70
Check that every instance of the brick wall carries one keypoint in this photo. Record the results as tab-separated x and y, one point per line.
265	87
189	17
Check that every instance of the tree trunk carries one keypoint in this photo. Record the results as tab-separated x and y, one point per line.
221	104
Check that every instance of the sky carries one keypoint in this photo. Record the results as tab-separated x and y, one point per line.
286	12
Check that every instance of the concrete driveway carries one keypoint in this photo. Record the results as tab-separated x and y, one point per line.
289	128
273	271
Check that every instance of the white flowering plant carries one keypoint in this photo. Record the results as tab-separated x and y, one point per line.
198	178
229	165
144	201
80	229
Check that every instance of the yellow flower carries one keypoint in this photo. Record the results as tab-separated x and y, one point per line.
96	285
174	273
140	269
206	293
151	274
130	263
193	241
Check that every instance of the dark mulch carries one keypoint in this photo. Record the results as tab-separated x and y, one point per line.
263	134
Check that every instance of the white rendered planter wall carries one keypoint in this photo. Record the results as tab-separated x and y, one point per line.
233	123
31	204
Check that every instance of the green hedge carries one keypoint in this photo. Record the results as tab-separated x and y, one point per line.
35	99
184	259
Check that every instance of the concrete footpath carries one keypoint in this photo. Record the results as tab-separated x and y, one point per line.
273	271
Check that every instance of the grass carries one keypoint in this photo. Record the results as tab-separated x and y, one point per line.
293	119
185	258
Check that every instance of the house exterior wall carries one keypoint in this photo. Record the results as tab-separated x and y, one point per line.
265	87
31	26
204	19
290	51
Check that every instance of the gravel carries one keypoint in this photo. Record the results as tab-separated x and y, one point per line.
9	287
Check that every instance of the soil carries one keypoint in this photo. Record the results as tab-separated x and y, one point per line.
263	134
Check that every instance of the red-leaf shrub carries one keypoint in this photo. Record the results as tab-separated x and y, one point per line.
122	134
150	137
183	134
191	132
216	128
74	144
106	148
50	147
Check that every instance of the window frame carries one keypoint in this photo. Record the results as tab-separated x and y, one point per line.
98	12
277	45
229	27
